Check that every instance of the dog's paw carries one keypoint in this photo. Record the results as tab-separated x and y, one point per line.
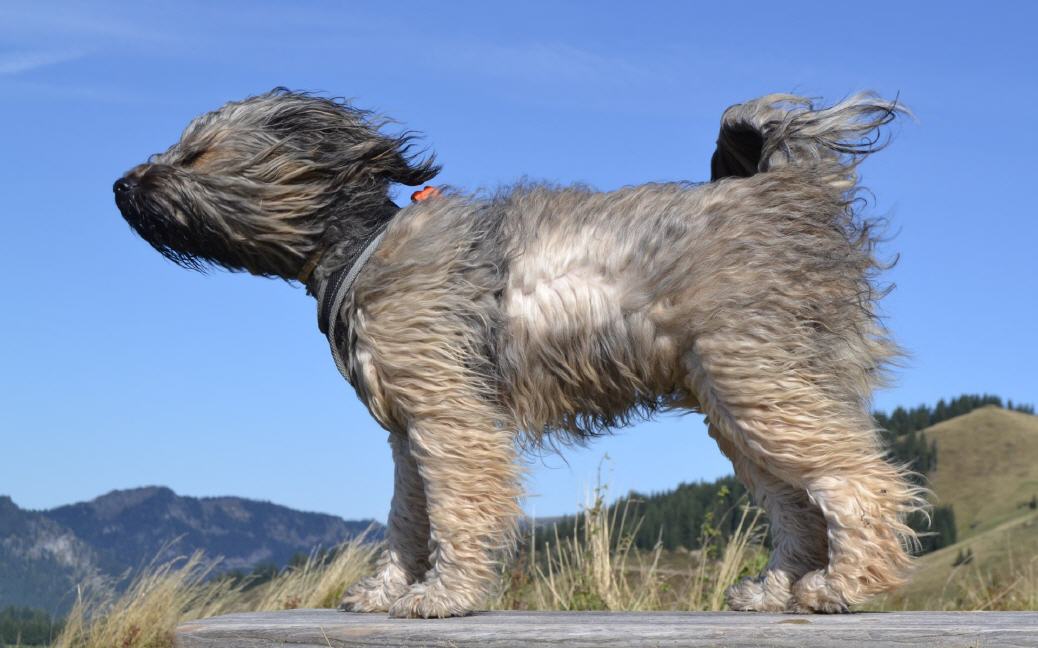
370	595
429	601
813	593
769	592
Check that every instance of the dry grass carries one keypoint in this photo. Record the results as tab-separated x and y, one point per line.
164	595
1000	573
145	615
742	555
974	588
597	568
994	578
318	583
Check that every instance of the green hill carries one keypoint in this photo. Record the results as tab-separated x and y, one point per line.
994	569
987	471
676	517
987	467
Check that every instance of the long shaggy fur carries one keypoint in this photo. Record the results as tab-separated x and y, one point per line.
482	323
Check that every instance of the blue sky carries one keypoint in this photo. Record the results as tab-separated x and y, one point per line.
118	369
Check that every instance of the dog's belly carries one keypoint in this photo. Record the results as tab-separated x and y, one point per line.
579	353
604	296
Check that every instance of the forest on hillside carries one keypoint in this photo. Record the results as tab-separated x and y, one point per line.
21	626
692	513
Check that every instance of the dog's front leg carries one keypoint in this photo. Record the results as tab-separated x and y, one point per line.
467	460
406	558
425	370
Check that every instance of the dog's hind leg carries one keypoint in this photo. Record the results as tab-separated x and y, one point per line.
780	417
406	557
798	536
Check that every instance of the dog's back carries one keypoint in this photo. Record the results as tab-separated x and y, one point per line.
607	292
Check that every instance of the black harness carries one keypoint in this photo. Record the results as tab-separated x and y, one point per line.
333	293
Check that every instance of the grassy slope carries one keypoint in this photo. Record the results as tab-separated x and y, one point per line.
1004	567
987	469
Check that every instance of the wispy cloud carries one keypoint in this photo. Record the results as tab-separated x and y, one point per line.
75	23
12	63
540	62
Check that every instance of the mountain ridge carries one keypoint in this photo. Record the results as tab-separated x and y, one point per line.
46	554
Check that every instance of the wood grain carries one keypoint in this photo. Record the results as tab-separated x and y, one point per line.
328	628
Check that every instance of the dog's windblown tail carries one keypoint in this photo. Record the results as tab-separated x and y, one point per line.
781	130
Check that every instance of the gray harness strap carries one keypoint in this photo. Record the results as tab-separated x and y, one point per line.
332	295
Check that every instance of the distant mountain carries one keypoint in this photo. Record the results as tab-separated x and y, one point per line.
44	555
41	562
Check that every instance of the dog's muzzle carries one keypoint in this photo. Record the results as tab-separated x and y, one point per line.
124	188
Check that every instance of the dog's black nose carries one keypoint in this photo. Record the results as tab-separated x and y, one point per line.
124	185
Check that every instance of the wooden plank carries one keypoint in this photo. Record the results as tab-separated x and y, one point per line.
329	628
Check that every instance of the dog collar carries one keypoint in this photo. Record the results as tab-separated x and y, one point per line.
329	301
335	288
338	284
332	295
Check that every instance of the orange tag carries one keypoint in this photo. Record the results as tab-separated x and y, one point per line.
425	194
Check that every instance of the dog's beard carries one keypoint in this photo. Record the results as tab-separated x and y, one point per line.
182	237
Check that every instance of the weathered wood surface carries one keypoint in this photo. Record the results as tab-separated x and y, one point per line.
328	628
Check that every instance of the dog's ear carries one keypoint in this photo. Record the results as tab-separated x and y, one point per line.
391	159
347	139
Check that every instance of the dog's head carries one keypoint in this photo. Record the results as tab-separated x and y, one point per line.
259	184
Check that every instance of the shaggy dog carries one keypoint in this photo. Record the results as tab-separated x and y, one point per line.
470	325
